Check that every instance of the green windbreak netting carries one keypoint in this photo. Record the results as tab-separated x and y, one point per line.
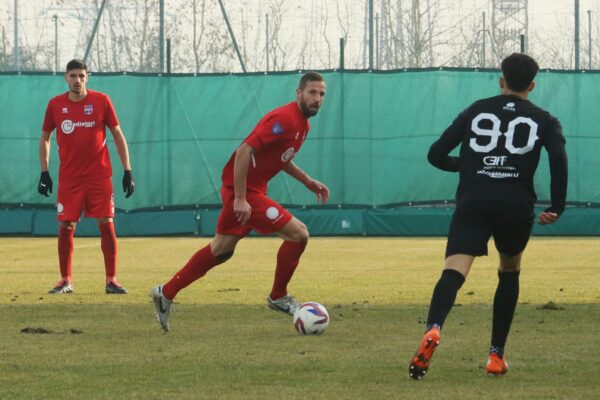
368	142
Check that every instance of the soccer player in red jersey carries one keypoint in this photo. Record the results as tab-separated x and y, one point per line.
84	179
268	149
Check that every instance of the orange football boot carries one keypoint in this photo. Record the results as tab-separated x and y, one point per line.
496	365
420	361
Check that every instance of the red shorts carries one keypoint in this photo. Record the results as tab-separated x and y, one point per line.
267	215
94	196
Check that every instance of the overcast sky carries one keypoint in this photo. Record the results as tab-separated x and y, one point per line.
550	24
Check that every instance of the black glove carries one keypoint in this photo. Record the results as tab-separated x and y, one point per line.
128	184
45	184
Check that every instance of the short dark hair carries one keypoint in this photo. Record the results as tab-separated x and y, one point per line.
310	77
519	70
76	64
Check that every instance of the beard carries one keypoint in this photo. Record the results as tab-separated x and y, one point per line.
306	110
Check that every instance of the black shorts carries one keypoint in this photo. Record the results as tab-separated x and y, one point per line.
471	228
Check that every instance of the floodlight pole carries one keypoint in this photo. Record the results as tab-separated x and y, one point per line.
235	45
89	45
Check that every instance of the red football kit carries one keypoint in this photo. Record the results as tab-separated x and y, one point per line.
276	139
85	171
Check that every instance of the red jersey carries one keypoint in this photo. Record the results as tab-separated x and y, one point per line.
276	139
80	134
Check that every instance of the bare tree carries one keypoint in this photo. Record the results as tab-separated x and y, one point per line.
199	29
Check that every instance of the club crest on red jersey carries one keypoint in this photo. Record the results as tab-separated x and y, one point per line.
88	109
277	128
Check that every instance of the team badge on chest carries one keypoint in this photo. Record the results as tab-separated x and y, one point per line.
88	109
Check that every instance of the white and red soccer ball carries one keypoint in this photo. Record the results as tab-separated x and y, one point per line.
311	319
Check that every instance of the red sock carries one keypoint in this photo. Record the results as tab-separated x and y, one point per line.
196	268
65	252
288	258
108	243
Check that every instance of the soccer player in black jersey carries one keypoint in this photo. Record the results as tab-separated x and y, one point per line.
501	139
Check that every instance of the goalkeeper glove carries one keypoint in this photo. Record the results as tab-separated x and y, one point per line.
128	185
45	184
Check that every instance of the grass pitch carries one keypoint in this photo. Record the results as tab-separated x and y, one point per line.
225	343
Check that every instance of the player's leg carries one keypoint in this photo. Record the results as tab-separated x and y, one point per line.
295	237
270	217
66	230
228	234
511	235
70	200
99	204
467	239
217	252
108	244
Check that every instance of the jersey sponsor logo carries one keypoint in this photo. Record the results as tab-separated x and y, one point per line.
509	107
495	161
277	128
69	126
272	213
288	154
88	109
498	174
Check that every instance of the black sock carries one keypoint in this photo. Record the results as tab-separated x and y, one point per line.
444	296
505	303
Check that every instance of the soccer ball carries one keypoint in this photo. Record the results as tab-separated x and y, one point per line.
311	319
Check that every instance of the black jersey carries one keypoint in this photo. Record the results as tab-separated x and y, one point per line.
501	140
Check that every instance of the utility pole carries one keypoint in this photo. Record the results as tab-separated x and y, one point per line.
161	36
522	43
376	41
576	34
370	34
16	32
55	17
589	39
483	45
342	46
267	41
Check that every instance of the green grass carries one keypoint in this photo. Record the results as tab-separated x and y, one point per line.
225	344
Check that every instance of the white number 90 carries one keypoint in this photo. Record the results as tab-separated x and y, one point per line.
495	133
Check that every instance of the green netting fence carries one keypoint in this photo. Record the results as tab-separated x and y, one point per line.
368	143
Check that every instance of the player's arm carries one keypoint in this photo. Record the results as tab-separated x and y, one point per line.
44	151
122	147
313	185
452	136
557	157
123	150
241	164
45	183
